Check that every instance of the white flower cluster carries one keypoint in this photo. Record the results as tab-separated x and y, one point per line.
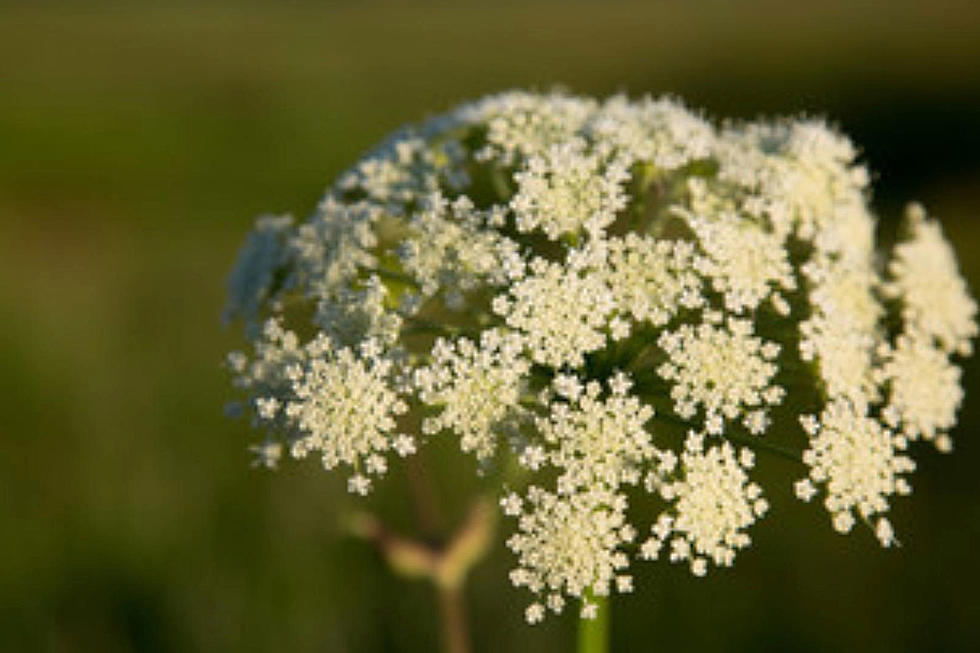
925	390
724	369
746	264
567	544
616	294
566	190
714	503
478	387
450	248
595	441
653	279
560	310
935	302
859	461
344	408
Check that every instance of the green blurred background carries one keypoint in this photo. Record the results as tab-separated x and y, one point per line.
137	143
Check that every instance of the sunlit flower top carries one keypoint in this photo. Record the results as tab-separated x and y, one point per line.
627	300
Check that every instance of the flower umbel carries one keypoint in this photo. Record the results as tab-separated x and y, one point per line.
625	300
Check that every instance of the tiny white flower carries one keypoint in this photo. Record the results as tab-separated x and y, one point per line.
534	613
884	532
266	454
403	445
359	484
804	489
589	610
511	504
267	407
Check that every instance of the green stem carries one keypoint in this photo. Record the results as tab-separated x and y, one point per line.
757	444
593	634
392	275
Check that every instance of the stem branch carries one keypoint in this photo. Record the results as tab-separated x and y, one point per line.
758	444
593	634
444	566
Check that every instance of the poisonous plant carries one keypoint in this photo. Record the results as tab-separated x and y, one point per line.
622	299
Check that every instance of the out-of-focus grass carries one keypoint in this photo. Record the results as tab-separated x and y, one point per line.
137	143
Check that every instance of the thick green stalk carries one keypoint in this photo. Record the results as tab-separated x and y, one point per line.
593	634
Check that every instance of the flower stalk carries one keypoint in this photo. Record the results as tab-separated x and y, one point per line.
445	566
594	633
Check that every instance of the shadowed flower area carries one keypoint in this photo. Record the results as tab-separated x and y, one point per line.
493	325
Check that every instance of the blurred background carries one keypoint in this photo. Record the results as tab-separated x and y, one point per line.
138	142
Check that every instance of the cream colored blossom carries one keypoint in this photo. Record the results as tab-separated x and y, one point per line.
595	441
934	298
345	409
561	312
713	502
654	279
567	544
522	124
859	463
723	369
566	287
662	131
450	248
477	386
745	262
924	388
842	332
566	190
